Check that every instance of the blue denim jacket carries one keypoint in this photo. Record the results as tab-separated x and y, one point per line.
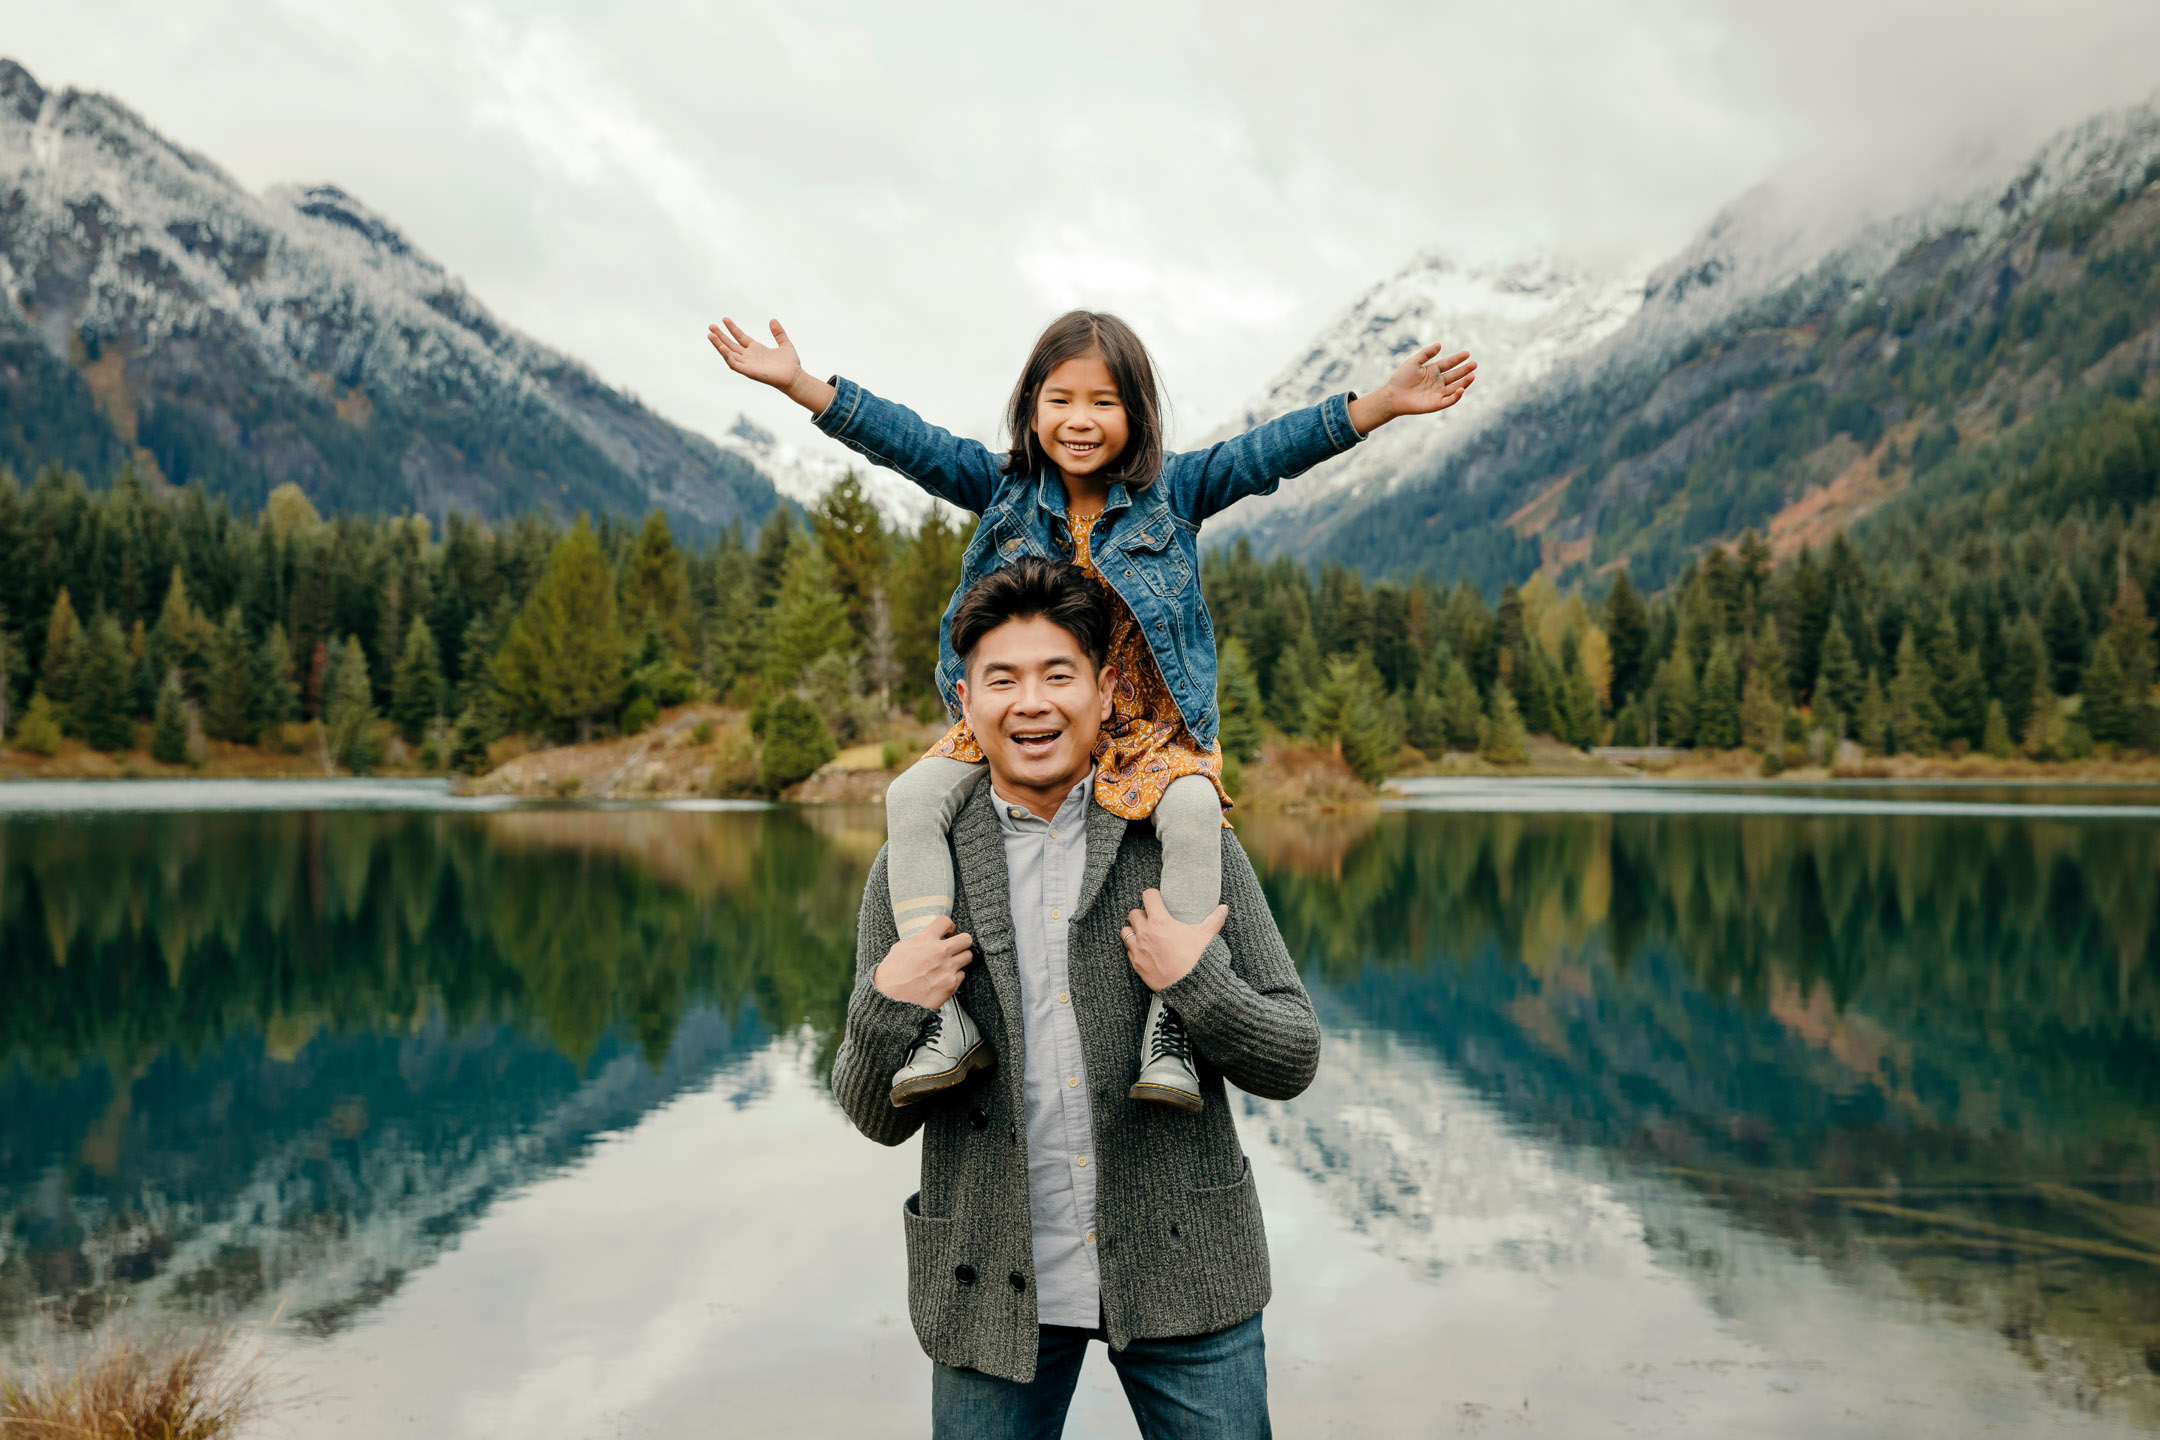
1146	545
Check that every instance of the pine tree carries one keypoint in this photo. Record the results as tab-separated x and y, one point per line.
60	670
1501	740
277	697
1871	720
809	618
1350	711
1460	710
852	534
1717	707
2024	671
2106	712
169	723
104	700
925	570
1238	701
1675	698
655	594
1538	689
1627	625
8	665
775	543
1915	719
2118	683
350	715
228	709
181	635
1995	735
417	691
560	668
2062	624
1762	708
1960	693
1298	675
1578	709
1839	682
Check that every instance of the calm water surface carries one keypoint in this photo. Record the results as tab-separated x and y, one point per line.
1650	1110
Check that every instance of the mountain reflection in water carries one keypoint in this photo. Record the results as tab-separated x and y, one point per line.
258	1060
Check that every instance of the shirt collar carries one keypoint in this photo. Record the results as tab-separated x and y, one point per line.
1015	819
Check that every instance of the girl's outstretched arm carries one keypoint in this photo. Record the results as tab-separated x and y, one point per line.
964	472
1255	462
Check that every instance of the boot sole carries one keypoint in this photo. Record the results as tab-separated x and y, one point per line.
980	1057
1168	1095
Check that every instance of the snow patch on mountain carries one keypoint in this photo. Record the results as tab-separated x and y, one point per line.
804	471
1519	319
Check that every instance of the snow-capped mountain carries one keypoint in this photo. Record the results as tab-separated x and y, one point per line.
1520	320
1579	371
245	340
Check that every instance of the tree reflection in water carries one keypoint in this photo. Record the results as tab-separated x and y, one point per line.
236	1049
246	1055
1931	1041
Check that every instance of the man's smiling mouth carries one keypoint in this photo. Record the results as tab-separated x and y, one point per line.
1035	742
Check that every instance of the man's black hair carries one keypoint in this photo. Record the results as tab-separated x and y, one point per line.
1032	586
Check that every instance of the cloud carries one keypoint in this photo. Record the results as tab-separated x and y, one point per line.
917	187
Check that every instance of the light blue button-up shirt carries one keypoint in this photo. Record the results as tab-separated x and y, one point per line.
1045	859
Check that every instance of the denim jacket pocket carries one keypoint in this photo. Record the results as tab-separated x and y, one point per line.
1159	559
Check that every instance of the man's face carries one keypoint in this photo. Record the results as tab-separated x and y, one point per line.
1036	704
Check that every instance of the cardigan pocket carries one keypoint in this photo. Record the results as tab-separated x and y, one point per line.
934	1278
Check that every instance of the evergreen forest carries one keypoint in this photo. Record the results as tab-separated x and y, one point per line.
167	622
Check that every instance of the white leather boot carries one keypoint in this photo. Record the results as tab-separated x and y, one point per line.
1166	1068
949	1048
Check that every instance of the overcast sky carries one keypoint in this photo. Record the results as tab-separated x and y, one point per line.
916	187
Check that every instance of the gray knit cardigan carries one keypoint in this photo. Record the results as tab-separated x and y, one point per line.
1179	1241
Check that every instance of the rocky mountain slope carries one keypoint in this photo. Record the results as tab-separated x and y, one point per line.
1798	367
154	310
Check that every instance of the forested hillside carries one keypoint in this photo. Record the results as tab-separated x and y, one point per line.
154	312
1854	394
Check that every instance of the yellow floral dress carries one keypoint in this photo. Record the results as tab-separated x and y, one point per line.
1145	745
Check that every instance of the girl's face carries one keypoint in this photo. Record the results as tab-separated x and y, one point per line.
1080	421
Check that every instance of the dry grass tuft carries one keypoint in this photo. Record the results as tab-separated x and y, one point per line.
125	1391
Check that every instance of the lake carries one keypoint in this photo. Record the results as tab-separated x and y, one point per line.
1688	1110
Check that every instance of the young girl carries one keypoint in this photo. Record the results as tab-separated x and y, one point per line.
1086	480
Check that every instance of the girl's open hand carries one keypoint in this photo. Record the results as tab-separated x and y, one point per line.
1422	385
776	364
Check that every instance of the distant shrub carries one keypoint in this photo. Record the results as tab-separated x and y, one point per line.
797	742
39	732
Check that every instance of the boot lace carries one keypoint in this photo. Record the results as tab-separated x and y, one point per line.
933	1025
1170	1039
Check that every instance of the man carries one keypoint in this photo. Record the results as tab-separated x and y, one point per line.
1054	1209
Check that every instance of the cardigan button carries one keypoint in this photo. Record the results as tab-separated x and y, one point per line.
965	1274
1019	1281
978	1117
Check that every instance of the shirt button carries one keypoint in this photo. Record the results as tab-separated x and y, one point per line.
1063	998
1091	1237
1057	914
1017	813
1073	1082
1081	1161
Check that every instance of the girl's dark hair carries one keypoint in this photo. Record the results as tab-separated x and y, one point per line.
1055	590
1086	332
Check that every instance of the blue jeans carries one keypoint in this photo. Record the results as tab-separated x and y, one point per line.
1196	1387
